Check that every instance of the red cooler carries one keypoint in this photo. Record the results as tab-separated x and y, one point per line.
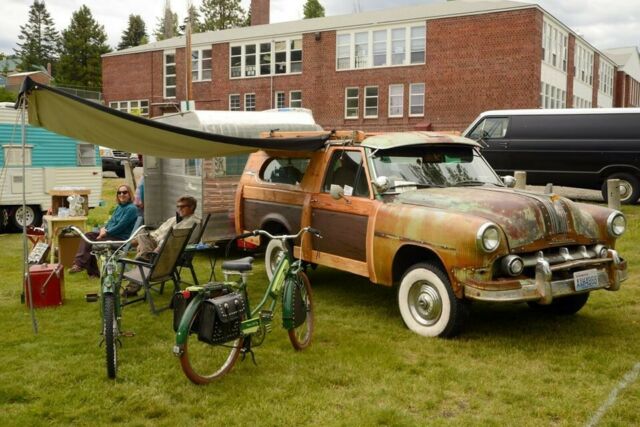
47	282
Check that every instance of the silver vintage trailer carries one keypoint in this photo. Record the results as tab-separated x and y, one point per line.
211	181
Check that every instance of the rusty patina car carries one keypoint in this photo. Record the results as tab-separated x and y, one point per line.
424	211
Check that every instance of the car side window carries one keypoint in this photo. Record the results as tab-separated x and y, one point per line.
284	170
346	170
491	127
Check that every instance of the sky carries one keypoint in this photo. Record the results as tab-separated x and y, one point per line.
603	23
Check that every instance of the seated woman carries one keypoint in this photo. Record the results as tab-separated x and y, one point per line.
119	227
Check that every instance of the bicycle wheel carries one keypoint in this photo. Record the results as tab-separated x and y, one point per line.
202	362
300	336
110	334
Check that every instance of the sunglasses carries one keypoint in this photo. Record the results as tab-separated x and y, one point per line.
122	192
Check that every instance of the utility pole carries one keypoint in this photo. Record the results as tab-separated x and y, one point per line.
189	93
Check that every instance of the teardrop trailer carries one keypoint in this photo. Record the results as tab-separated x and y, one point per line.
425	212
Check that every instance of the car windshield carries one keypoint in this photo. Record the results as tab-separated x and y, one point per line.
433	166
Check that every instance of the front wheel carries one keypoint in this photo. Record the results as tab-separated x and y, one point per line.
301	307
202	362
110	334
427	303
29	216
275	248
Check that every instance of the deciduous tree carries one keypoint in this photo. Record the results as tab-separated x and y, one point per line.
39	40
135	34
313	9
222	14
83	42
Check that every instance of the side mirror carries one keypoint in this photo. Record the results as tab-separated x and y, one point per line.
509	181
336	191
381	184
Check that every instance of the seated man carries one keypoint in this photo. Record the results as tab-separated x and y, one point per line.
149	243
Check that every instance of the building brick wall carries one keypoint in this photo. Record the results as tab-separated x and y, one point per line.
571	70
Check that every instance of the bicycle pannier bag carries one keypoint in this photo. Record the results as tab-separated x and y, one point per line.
220	318
294	307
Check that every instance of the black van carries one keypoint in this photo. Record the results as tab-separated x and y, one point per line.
570	147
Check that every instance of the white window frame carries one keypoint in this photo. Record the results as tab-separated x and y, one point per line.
398	37
137	107
199	71
295	103
606	77
13	155
279	96
555	45
232	98
356	109
368	97
411	98
396	96
166	76
86	154
249	105
584	64
287	46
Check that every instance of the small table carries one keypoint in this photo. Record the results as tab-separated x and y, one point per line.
53	225
201	248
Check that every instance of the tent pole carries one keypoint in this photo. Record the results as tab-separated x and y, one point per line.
25	252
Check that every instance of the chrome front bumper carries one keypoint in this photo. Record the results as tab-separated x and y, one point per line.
612	271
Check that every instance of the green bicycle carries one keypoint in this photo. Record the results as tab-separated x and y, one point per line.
215	323
108	253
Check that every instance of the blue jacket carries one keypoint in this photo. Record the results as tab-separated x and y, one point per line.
121	223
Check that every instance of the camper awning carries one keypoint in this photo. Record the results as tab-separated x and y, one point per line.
88	121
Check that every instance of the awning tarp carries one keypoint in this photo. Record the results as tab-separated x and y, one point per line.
88	121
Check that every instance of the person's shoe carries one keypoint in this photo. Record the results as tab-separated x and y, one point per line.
131	290
75	269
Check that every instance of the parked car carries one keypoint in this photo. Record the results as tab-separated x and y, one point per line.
112	160
426	212
571	147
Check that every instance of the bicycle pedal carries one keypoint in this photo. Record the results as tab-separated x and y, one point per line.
128	334
91	297
244	352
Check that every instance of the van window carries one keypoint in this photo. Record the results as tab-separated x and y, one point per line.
285	170
347	170
491	127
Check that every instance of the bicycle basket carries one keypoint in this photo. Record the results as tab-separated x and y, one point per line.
294	307
220	318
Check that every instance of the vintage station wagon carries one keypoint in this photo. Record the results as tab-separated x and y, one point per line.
425	211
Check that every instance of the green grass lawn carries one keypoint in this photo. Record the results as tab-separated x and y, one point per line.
511	366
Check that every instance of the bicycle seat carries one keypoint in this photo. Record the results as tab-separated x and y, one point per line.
242	264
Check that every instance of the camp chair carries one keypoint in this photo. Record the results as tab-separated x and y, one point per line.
162	269
186	259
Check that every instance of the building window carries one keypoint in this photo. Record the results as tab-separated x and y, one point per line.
584	64
381	47
581	102
371	102
351	104
418	44
170	75
266	58
279	100
554	46
249	102
13	155
234	102
86	155
552	97
295	99
396	100
138	107
193	167
606	78
416	99
343	52
200	65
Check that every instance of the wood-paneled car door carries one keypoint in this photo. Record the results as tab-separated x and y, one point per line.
343	222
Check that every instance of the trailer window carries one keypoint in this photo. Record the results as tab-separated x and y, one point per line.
86	155
13	155
492	127
193	167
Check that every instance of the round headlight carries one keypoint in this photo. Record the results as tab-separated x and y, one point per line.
488	237
616	224
513	265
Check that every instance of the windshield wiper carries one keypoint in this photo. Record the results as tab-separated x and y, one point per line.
469	182
413	184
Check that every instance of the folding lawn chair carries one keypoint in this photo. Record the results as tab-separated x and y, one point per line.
186	260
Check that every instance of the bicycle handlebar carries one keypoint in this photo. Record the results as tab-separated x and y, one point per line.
80	233
282	237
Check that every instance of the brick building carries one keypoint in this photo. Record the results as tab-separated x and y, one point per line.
420	67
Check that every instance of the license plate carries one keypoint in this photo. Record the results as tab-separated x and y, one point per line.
586	279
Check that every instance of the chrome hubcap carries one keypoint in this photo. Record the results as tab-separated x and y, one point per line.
625	190
425	303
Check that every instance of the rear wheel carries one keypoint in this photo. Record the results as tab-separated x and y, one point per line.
202	362
300	336
563	306
110	334
629	187
4	220
29	216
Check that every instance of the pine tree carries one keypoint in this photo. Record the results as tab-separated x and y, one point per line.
194	17
40	39
313	9
135	34
83	42
168	24
222	14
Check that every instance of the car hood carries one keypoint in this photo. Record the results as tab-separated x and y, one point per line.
525	217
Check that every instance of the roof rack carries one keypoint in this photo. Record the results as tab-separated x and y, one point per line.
336	137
